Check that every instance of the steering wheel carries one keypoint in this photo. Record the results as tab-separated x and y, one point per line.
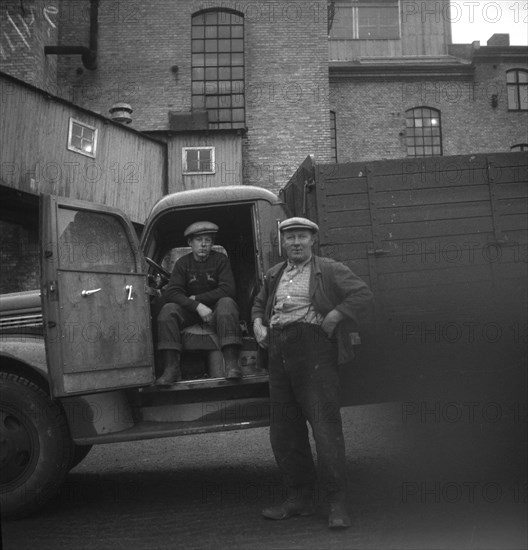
161	271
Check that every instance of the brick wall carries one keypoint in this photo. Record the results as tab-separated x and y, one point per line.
286	60
26	28
371	115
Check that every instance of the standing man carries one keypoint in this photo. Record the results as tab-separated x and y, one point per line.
303	315
201	290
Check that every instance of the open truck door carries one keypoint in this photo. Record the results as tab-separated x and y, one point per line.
94	298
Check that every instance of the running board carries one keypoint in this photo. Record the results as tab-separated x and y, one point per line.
203	383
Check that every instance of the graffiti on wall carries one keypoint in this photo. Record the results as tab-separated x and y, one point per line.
18	28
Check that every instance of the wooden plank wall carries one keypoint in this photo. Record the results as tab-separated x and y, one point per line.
128	171
228	161
437	238
425	30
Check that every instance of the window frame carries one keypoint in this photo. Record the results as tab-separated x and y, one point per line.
186	171
356	15
517	86
434	113
218	67
75	149
519	147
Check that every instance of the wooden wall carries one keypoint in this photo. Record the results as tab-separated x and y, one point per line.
424	30
228	160
128	171
443	244
435	238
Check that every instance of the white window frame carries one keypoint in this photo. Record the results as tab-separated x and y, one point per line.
184	160
70	135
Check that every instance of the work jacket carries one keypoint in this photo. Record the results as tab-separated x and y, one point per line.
332	286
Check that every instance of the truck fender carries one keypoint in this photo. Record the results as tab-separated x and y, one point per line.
25	355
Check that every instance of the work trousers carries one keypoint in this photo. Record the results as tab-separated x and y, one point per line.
173	318
304	387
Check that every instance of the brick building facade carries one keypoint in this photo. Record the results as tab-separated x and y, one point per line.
358	66
468	91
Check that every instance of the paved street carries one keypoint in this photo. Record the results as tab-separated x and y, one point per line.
422	475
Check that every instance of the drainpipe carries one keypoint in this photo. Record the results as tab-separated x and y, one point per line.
88	55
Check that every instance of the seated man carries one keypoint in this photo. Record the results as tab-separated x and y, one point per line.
201	290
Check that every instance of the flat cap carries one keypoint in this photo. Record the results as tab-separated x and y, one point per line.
200	228
298	223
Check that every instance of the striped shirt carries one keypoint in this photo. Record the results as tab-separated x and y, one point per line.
292	300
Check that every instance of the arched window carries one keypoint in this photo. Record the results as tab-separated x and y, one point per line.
517	84
519	147
423	132
217	47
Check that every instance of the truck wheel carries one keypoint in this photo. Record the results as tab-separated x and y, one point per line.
35	446
79	454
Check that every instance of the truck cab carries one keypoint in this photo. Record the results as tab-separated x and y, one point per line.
81	349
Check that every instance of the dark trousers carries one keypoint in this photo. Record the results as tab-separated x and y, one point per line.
173	318
304	386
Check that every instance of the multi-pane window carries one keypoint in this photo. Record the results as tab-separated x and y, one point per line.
333	136
517	83
82	138
198	160
423	132
519	147
366	20
217	46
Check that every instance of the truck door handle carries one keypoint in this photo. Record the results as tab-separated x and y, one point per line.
90	292
128	288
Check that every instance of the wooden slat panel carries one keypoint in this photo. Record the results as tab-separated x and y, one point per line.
344	186
436	254
128	171
510	160
513	222
458	276
347	202
434	228
345	235
426	212
350	219
463	194
510	190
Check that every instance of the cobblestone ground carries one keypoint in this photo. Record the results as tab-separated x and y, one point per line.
422	475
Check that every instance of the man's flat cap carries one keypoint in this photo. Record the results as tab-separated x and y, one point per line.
298	223
200	228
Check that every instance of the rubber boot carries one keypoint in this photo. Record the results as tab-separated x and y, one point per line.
232	368
170	361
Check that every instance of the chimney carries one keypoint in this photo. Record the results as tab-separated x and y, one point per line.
499	40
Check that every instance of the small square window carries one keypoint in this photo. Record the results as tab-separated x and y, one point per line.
198	160
82	138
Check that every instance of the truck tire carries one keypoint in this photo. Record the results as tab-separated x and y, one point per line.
79	454
35	446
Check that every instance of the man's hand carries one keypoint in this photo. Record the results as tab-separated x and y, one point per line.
261	333
331	320
206	313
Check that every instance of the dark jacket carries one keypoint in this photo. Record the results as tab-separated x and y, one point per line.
332	286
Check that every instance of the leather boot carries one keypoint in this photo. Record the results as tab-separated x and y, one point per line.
299	505
170	361
232	368
338	517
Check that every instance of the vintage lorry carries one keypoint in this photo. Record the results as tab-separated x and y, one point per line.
441	241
